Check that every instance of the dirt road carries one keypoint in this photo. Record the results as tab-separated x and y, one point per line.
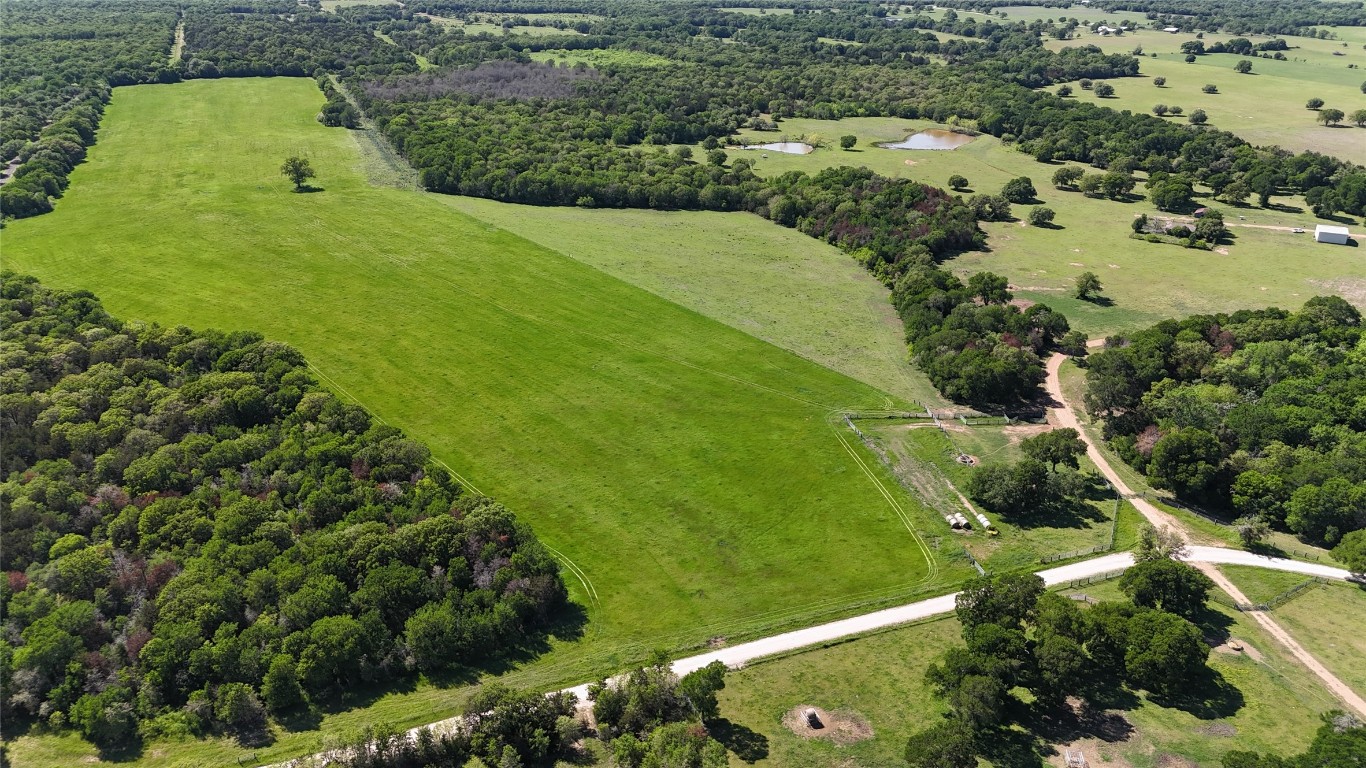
1331	681
1063	415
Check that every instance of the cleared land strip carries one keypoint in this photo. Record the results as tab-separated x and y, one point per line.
744	653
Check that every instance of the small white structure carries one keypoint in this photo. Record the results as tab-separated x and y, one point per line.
1325	233
1105	29
1171	30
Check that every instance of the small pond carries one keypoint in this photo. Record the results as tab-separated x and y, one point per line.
787	147
931	139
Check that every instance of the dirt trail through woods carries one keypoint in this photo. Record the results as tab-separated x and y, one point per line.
1063	415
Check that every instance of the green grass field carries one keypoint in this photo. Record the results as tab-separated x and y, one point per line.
599	58
1147	282
1264	107
1262	584
881	678
773	283
670	457
1330	622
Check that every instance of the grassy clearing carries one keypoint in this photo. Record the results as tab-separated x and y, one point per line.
333	5
1264	107
667	455
1147	282
758	11
1262	584
603	58
492	24
773	283
1330	622
881	677
924	458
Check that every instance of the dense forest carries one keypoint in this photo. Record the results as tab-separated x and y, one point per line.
1261	413
197	534
281	38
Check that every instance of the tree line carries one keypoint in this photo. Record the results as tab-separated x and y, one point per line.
58	60
1257	413
198	535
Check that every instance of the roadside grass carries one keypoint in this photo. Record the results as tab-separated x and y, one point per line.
882	678
1145	282
1266	106
1260	585
670	457
771	282
1330	622
924	458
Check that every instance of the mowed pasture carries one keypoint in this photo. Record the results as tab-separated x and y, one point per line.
771	282
882	679
690	471
1147	282
1265	107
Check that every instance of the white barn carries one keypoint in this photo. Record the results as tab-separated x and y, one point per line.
1325	233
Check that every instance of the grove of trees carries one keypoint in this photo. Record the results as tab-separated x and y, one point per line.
1257	413
198	535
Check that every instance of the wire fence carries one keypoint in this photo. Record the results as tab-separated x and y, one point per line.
1087	580
1108	546
1274	602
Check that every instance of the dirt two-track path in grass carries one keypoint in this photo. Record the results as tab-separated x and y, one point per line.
1064	415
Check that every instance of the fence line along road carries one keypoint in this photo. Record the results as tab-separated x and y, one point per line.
1107	565
739	655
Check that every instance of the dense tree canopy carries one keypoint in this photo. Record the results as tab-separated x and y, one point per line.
196	532
1257	412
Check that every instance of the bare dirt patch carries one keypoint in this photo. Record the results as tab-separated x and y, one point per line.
1350	288
1098	754
1236	647
1222	730
911	162
841	727
1019	432
1175	761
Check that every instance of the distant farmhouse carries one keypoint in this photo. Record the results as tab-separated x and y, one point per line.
1325	233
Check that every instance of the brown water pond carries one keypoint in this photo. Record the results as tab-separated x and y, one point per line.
931	139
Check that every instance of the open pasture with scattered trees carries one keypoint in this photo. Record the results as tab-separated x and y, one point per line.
611	420
1268	704
683	458
1144	282
1265	107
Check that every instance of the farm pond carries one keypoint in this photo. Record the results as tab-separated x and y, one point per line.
931	139
788	147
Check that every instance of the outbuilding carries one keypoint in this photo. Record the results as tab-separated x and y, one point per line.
1171	30
1325	233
